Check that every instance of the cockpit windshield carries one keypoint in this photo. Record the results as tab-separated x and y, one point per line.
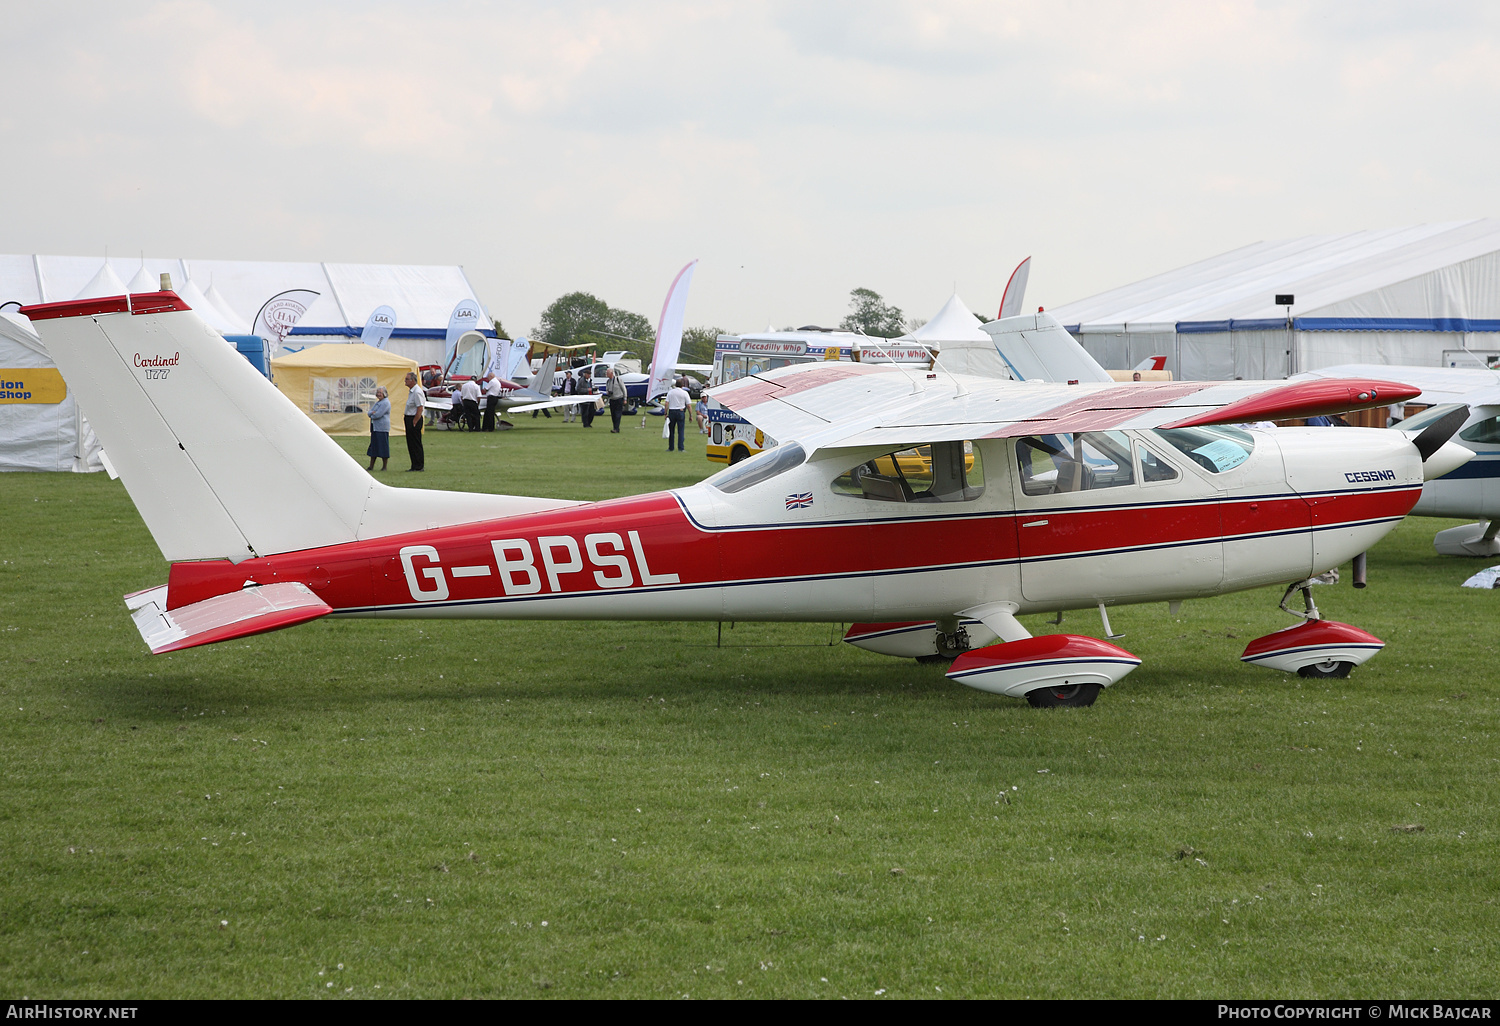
760	467
1216	449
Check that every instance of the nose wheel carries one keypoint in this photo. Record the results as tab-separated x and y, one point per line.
1327	668
1067	695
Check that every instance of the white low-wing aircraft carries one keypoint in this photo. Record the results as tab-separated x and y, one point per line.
1470	490
927	507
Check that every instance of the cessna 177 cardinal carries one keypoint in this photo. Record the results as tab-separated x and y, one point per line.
928	508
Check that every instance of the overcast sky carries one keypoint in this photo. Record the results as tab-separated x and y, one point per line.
799	149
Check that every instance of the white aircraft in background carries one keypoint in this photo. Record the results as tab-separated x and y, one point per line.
930	510
1470	490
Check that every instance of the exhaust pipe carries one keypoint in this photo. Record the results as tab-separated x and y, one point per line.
1359	570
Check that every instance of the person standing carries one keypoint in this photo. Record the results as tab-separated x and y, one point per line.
380	430
589	408
614	392
416	406
492	390
569	387
677	406
470	392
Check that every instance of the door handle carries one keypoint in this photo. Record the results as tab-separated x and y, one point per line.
1035	523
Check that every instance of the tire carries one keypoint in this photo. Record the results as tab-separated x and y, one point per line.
1066	695
631	408
1327	668
739	454
936	657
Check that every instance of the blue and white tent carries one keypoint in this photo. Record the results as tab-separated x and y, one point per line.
1427	295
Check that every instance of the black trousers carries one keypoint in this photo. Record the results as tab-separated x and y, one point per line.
616	408
414	441
587	411
471	414
676	425
491	405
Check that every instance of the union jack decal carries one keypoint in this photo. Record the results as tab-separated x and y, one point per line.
799	500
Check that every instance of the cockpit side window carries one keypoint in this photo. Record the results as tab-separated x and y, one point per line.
940	472
1153	467
1065	462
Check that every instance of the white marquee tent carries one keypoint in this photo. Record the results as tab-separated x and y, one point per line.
41	427
229	293
1421	295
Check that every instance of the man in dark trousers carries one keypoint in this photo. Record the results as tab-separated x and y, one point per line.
588	409
614	391
469	390
492	390
416	404
677	402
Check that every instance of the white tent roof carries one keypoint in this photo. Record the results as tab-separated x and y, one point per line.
955	322
1436	274
423	296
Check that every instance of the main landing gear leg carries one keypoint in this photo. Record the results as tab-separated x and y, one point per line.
1055	670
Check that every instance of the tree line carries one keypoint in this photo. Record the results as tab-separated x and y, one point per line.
582	318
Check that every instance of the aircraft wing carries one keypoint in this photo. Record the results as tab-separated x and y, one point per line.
841	405
439	404
1475	386
547	404
701	368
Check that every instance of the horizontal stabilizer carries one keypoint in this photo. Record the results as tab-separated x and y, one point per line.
238	614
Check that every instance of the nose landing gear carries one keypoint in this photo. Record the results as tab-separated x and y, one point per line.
1315	647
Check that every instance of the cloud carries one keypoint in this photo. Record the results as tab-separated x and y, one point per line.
800	150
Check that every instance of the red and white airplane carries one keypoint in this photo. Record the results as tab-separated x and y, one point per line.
930	509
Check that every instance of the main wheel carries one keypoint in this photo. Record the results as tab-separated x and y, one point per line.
936	657
1063	695
1327	668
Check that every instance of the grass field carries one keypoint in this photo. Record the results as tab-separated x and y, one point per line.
437	809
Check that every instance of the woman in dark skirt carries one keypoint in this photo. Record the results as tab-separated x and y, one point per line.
380	430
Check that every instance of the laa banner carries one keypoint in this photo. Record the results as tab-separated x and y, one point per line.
379	327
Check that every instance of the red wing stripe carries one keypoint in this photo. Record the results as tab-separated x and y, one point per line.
1106	408
746	396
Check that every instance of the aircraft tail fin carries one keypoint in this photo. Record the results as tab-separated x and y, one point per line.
216	459
219	463
546	378
1036	347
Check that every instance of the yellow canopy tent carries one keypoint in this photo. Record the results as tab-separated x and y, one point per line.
329	384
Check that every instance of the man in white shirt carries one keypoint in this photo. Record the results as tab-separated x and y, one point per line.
416	403
469	390
678	401
492	389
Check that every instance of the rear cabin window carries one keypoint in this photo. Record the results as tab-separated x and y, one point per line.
1215	449
939	472
1051	464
